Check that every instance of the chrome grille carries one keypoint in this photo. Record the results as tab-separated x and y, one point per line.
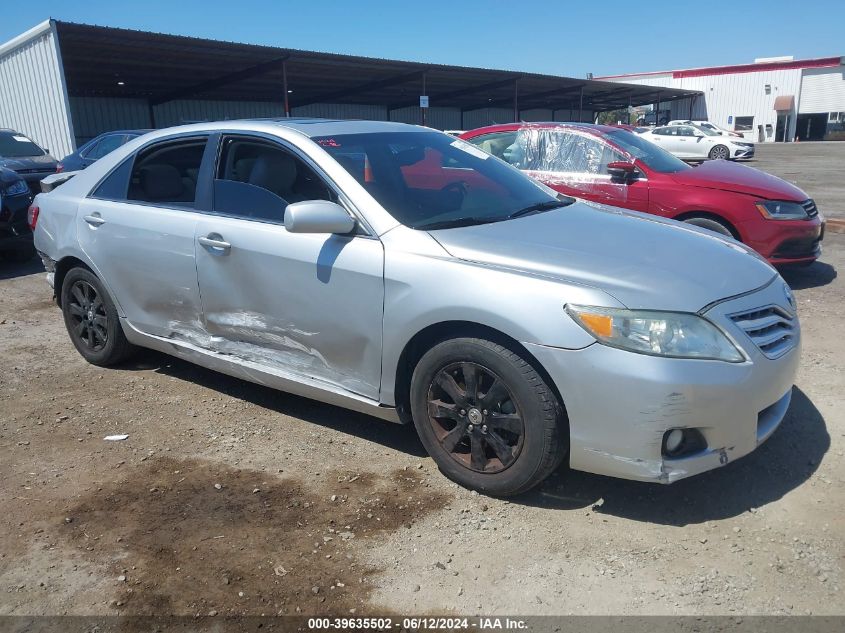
772	329
810	208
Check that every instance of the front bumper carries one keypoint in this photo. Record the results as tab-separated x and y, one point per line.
620	404
784	242
33	178
744	152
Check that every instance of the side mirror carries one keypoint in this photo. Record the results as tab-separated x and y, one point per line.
318	216
623	172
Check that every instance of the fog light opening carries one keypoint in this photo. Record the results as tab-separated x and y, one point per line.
682	442
674	440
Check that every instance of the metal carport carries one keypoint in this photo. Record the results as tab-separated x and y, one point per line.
107	78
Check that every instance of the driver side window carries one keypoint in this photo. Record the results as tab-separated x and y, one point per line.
258	179
498	144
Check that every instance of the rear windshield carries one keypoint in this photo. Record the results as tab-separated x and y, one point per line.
655	158
430	180
14	145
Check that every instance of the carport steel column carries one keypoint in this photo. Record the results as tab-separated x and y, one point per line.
285	87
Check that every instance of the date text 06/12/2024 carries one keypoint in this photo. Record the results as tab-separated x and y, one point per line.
418	623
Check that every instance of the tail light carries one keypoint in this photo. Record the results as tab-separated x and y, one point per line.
32	216
59	168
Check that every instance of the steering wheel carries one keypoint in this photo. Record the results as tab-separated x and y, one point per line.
459	186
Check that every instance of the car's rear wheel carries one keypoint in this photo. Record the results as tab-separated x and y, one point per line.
91	319
720	152
711	224
486	416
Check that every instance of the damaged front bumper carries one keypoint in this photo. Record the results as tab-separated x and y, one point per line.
621	404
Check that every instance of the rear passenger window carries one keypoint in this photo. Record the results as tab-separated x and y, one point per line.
258	179
115	185
167	173
105	146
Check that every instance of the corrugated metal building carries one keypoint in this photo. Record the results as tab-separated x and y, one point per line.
773	99
64	83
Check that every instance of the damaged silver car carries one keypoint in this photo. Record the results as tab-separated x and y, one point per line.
401	272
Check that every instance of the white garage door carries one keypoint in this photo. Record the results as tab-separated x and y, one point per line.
822	90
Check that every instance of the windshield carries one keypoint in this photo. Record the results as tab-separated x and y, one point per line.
706	129
14	145
430	180
655	158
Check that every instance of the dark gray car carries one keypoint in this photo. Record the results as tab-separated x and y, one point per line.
23	155
98	147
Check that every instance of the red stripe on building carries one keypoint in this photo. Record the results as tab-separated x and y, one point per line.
823	62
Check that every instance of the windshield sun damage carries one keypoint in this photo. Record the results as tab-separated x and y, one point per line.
428	180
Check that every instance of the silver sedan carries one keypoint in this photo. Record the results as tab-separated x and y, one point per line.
401	272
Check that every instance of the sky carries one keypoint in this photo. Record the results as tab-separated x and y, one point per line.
553	37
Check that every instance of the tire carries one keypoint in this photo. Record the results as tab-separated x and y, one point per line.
711	224
92	321
719	152
501	437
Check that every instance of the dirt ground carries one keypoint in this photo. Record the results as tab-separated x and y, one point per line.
229	498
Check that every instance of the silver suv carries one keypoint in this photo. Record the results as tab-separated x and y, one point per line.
401	272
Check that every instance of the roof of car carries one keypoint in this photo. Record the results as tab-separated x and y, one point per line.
138	131
323	127
307	127
509	127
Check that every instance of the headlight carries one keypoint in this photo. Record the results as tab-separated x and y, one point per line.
777	210
673	334
17	188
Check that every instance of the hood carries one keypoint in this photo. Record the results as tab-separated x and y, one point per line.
7	177
28	162
728	176
643	261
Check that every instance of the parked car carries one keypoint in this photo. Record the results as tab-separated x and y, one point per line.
96	148
708	126
652	118
24	156
615	167
15	234
402	272
694	143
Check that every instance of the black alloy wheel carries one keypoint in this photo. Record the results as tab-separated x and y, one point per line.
474	417
88	316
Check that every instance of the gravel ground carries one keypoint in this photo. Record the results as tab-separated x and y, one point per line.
229	498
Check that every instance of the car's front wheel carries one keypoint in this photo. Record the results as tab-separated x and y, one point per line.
711	224
720	152
91	319
486	416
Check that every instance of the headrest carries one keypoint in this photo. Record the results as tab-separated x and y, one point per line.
161	182
275	172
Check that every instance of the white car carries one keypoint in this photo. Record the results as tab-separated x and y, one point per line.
694	143
708	126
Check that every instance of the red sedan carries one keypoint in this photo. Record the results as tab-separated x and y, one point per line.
613	166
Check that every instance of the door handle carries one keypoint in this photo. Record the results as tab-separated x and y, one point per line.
94	220
215	242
